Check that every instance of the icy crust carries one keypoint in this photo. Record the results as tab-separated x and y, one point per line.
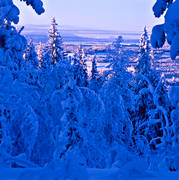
10	12
170	27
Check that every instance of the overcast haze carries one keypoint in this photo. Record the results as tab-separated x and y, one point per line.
129	15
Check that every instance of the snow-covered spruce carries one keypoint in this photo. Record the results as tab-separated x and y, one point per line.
55	43
94	82
80	68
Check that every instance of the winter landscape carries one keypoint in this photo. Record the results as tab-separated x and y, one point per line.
80	103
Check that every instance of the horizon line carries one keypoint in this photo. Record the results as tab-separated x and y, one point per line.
71	27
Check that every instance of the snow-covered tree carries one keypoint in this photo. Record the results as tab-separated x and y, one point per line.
161	93
46	59
78	71
80	68
55	43
52	93
45	66
40	53
31	65
37	5
145	106
71	136
150	119
30	56
21	123
10	12
94	70
94	82
92	121
24	129
81	56
168	30
117	43
43	149
12	48
118	101
117	125
122	77
144	60
144	103
174	99
151	114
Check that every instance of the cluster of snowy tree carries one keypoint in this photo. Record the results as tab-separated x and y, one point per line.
51	111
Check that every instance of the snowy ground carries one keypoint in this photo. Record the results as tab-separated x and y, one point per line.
94	174
116	174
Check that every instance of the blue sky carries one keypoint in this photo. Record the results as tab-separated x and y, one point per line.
131	15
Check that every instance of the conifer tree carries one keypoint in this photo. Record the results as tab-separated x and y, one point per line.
71	134
117	43
117	101
80	68
45	67
40	54
94	81
30	56
12	47
81	56
55	43
46	59
78	71
92	114
151	114
144	64
144	101
94	71
44	56
144	90
120	76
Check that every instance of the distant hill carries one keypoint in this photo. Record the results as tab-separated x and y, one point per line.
78	35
